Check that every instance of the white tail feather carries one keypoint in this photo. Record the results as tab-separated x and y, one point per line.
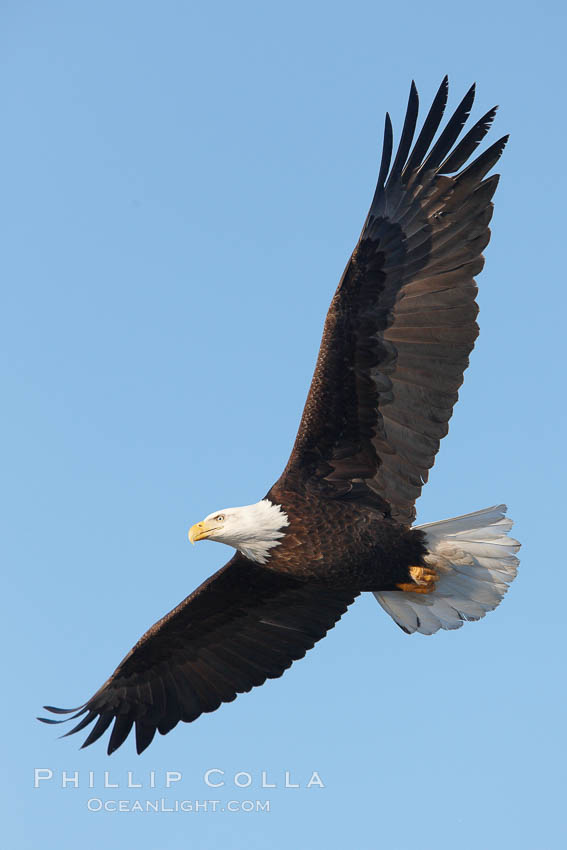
476	562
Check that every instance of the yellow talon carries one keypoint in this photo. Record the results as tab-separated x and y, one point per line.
423	580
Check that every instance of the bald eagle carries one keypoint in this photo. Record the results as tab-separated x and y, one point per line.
339	520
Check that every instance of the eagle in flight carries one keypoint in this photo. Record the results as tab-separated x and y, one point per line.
339	520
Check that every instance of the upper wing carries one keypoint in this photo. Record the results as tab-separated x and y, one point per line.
402	322
242	626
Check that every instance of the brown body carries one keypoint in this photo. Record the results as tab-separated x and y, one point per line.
375	552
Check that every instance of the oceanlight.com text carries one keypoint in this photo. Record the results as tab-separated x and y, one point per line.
96	804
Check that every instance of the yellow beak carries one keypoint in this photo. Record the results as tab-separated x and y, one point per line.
200	531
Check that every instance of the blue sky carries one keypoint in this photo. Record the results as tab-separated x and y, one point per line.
182	184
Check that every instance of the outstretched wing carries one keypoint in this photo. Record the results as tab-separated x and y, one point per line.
242	626
402	322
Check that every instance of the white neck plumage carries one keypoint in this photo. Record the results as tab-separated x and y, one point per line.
253	529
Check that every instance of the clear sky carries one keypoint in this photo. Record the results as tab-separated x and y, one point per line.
181	185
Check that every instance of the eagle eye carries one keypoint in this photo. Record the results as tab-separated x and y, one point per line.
220	518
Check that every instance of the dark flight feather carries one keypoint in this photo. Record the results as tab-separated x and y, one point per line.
406	138
386	151
451	132
468	143
430	127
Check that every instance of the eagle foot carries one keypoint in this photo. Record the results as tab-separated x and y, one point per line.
423	580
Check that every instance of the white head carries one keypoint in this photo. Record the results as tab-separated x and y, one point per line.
252	529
